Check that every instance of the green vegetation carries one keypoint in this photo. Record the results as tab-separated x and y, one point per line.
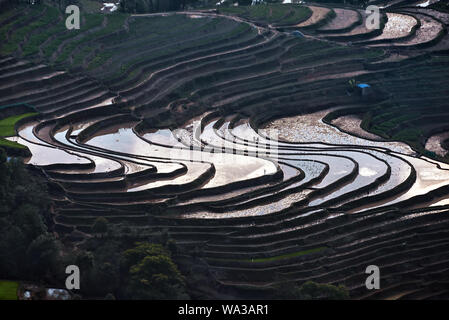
90	6
30	251
7	124
330	53
47	40
385	119
409	135
152	274
147	6
8	290
100	225
144	270
237	11
276	258
42	21
90	21
48	32
26	13
310	291
287	256
27	249
267	13
38	38
241	28
7	128
408	115
114	22
11	144
46	37
362	3
272	13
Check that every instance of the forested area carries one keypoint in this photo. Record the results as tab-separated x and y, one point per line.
27	248
30	250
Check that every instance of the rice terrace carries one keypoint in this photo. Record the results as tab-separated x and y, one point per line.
259	149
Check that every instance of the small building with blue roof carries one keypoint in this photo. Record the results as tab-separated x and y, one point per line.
364	88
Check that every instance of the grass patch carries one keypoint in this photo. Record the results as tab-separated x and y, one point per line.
10	144
114	22
7	125
409	135
7	129
50	16
286	256
8	290
275	258
91	21
234	10
240	28
282	14
90	6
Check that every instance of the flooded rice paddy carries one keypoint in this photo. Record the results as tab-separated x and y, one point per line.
224	168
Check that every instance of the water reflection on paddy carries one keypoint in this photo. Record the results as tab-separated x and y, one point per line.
322	152
428	177
43	155
310	128
259	210
101	164
229	167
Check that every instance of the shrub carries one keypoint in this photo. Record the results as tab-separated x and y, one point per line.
152	274
100	225
310	291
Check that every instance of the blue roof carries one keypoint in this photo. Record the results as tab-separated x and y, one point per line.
363	85
297	33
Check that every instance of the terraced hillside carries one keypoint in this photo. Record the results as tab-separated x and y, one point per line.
161	128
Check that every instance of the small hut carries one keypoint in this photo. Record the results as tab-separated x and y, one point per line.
298	34
364	89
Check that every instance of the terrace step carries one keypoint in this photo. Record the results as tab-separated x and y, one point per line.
320	16
398	28
344	21
428	34
359	32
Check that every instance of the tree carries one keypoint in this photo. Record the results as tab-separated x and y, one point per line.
43	256
152	274
84	260
133	256
32	224
99	263
27	249
100	226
